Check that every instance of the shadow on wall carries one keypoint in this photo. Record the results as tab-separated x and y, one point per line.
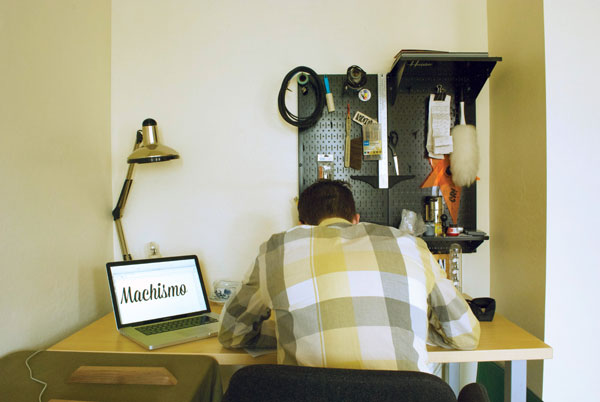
92	280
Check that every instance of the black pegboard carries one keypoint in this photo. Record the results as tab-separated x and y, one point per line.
328	136
408	117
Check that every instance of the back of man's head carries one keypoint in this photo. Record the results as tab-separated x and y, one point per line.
326	199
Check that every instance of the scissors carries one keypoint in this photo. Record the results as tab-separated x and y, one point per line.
392	142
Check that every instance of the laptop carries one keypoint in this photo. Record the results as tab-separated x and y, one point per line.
160	302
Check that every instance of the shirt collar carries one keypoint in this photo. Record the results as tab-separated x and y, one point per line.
332	221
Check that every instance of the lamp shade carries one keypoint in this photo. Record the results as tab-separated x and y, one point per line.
151	150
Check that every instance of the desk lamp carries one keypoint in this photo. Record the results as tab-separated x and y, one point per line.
146	150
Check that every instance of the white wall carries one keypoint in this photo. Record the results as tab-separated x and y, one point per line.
55	229
573	140
209	73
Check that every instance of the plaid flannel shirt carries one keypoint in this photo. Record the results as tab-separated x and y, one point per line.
352	296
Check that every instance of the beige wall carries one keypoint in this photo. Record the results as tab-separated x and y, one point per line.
518	166
209	73
55	168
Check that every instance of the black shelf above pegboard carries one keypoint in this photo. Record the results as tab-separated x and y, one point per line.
416	70
468	242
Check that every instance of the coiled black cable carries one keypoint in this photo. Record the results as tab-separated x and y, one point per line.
319	88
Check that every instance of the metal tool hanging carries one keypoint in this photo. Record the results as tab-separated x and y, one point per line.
347	148
392	142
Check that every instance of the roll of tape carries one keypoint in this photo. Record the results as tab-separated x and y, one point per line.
302	79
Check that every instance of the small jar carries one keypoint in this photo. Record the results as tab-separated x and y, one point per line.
453	230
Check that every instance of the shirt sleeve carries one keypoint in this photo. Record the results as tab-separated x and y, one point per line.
242	317
452	324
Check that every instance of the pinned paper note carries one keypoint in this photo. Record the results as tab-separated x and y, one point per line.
439	141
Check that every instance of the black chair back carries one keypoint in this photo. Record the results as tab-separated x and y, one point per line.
282	383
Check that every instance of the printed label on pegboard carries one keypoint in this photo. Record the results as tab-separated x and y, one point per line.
372	144
372	148
363	119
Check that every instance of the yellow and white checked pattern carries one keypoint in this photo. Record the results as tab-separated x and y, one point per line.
353	296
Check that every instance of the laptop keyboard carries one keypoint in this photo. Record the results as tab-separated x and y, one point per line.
175	325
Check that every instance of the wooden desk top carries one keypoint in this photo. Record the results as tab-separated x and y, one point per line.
501	340
102	336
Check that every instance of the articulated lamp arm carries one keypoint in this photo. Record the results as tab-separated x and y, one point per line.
117	213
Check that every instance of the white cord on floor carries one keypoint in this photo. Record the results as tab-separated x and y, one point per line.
32	377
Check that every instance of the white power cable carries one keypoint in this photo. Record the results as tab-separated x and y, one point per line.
31	374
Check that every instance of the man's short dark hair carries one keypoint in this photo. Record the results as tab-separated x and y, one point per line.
326	199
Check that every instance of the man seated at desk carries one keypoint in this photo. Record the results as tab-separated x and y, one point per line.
346	294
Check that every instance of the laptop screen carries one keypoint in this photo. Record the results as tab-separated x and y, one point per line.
156	289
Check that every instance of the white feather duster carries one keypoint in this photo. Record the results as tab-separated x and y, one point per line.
464	159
